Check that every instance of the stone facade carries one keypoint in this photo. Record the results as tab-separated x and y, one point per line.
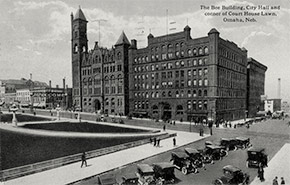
100	75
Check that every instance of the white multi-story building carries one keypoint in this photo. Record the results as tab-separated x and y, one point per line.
23	96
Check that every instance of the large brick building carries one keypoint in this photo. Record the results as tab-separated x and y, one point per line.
255	86
100	76
174	77
177	77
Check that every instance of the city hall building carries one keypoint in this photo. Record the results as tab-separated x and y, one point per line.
100	75
178	77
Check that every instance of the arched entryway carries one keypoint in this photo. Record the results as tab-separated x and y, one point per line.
167	112
97	105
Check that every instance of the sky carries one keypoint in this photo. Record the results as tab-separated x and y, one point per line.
35	35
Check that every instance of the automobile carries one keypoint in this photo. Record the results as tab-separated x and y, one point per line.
164	173
215	151
182	162
232	176
130	179
228	143
145	174
243	142
256	157
195	156
107	179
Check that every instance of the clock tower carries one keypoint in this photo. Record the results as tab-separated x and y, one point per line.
79	47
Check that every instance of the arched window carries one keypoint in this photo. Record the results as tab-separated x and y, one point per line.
177	94
157	94
85	81
200	52
75	48
169	94
205	93
189	105
189	93
206	50
194	93
189	52
205	105
119	55
194	51
163	48
90	81
199	93
179	109
84	49
153	95
113	102
163	94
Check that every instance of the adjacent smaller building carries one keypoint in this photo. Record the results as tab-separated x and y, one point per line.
255	87
272	105
285	107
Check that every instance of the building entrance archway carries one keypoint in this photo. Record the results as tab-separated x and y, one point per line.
97	105
167	111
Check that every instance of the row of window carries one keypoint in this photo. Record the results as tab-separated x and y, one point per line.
169	84
230	55
232	65
170	54
177	94
169	74
112	102
107	90
97	80
171	65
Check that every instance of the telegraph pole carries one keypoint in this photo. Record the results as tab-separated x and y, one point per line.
99	21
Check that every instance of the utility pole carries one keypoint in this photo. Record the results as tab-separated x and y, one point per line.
99	21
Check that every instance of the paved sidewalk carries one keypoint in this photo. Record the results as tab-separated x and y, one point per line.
73	172
279	166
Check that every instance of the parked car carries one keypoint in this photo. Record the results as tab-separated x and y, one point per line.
228	143
257	156
182	162
232	176
164	173
215	151
243	142
130	179
145	174
195	156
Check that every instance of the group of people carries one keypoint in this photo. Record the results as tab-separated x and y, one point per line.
275	181
156	141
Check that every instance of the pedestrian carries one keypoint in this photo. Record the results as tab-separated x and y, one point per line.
275	181
154	141
282	181
84	160
174	141
151	140
174	123
261	173
158	142
164	127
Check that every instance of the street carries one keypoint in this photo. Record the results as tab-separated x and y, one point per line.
271	134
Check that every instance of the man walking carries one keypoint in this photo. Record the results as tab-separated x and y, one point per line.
174	141
261	173
84	160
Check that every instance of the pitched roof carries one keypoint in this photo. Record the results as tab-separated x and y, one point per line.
80	15
122	39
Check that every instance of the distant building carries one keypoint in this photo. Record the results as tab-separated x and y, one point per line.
272	105
177	77
23	97
9	99
255	86
285	107
49	97
11	85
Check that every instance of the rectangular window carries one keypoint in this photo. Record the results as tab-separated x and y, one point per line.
176	83
169	74
194	72
176	74
181	73
163	75
189	83
200	72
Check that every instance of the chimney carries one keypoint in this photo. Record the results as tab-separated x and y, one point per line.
66	86
30	76
49	83
57	86
63	82
279	88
